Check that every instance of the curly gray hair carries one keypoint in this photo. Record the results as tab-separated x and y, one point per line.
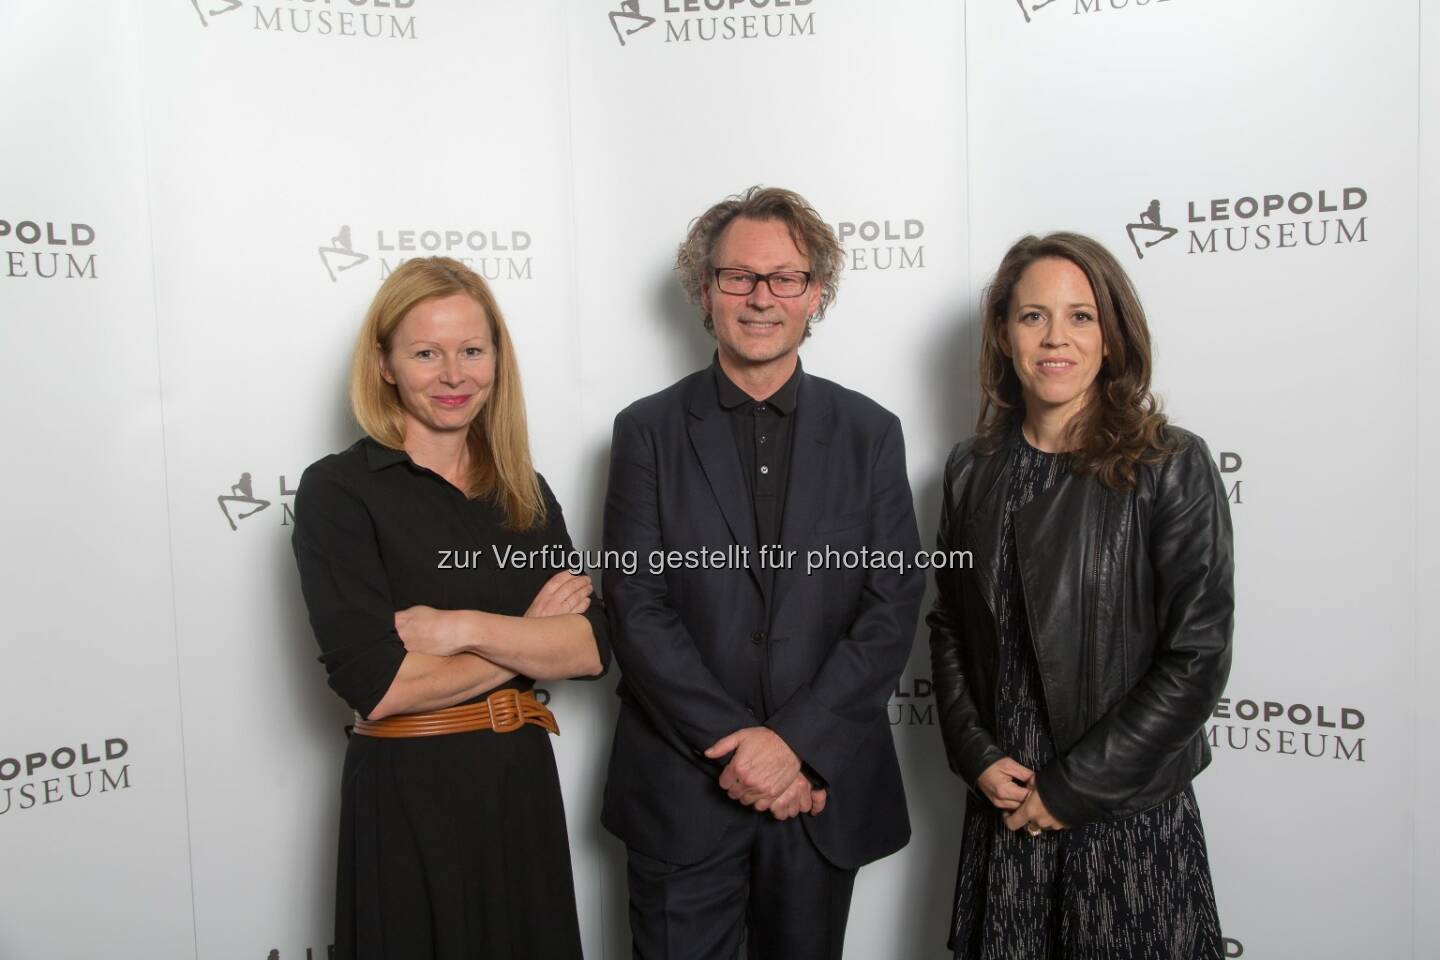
812	236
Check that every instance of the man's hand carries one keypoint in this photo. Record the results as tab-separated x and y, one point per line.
763	766
800	797
794	801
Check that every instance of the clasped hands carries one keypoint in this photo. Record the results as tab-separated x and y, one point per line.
1010	785
764	773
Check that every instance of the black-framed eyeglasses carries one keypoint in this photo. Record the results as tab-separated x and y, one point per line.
782	283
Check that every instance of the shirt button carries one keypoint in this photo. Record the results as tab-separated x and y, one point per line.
764	469
762	438
758	636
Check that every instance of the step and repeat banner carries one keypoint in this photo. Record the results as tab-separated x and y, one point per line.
1427	347
199	197
93	814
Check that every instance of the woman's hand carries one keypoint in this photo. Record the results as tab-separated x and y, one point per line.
439	633
1033	816
563	593
1006	782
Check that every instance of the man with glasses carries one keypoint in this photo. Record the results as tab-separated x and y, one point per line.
753	770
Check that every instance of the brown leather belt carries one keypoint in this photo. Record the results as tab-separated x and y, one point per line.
503	711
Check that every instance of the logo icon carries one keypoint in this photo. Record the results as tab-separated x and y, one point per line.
339	257
628	20
1035	9
241	493
1149	223
201	5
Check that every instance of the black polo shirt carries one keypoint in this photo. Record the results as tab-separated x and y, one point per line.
762	430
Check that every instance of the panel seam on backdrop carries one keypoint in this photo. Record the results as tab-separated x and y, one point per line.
574	245
971	348
165	464
574	199
1416	540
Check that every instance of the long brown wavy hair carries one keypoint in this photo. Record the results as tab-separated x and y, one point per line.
498	439
1122	426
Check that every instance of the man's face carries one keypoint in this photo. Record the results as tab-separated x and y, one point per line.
758	328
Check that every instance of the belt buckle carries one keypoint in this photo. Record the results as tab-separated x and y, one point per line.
505	715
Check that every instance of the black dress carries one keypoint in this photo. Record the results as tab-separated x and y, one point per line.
1136	888
451	847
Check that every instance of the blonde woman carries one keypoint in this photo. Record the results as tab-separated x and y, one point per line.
452	830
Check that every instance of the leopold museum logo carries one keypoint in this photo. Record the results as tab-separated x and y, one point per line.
1253	223
242	502
361	19
36	779
502	254
688	21
912	703
1029	7
40	249
1283	728
883	243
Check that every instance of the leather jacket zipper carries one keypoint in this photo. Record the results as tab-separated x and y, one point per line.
1092	702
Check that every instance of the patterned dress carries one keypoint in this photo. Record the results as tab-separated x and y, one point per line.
1136	888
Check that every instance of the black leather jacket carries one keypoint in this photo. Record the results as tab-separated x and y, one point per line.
1130	601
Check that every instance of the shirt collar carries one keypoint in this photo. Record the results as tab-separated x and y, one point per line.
731	396
379	456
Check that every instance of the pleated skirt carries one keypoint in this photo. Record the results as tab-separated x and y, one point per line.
454	848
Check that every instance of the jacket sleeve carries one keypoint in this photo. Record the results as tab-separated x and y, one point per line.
1194	602
672	683
826	719
969	747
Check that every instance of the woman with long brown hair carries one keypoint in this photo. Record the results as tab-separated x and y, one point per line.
1077	661
427	560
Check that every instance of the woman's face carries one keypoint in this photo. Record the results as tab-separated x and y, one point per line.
442	363
1052	336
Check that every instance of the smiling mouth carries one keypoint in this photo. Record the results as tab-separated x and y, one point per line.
760	324
1055	365
452	401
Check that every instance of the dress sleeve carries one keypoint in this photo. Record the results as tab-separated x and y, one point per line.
346	589
595	613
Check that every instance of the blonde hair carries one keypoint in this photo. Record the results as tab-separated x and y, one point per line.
499	444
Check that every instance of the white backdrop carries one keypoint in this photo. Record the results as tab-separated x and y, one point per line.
244	173
92	849
1427	349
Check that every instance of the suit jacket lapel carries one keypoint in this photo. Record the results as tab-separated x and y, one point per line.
714	444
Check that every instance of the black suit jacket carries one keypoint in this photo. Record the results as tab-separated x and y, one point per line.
827	646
